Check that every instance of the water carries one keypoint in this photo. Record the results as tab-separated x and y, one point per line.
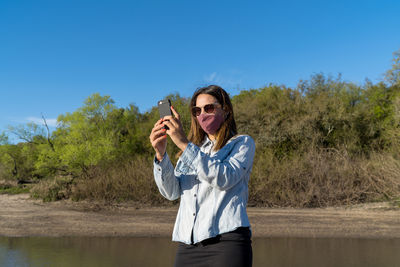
117	251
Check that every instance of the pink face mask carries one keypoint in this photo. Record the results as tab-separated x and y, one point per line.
210	123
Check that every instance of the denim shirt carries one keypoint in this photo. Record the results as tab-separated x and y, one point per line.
213	187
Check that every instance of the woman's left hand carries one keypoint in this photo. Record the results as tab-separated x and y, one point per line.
175	130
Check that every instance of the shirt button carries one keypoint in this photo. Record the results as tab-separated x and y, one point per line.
195	195
194	214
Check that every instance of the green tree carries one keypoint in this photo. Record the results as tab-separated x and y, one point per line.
29	133
393	75
84	138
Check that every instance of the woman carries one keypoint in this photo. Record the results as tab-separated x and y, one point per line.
211	178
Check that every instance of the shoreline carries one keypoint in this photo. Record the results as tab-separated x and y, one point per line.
21	216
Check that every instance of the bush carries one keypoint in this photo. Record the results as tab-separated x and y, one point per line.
130	180
322	178
53	189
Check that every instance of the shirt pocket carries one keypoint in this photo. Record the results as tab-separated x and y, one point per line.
182	168
187	183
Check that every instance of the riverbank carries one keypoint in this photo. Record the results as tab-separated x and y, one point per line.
22	216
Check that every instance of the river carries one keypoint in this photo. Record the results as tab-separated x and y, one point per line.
146	251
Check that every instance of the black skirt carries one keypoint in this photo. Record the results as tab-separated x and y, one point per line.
230	249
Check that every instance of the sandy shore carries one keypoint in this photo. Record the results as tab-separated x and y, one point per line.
22	216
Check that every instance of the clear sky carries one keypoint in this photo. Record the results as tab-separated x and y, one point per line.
55	53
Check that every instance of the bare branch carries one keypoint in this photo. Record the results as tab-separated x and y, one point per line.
48	133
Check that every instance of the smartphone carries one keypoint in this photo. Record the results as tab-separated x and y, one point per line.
164	108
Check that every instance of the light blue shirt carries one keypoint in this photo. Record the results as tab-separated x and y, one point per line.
213	187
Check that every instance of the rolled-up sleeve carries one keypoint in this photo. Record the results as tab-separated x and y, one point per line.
221	174
167	183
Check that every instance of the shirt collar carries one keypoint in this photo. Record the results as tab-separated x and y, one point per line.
207	141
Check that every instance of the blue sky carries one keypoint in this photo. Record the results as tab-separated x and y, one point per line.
54	54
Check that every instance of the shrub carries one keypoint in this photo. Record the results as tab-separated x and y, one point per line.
53	189
322	178
130	180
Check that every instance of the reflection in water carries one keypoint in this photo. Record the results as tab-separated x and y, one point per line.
129	251
327	252
86	251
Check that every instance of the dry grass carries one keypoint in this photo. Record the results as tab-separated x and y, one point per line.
319	178
130	180
324	178
53	189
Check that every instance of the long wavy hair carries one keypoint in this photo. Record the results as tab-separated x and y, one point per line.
228	128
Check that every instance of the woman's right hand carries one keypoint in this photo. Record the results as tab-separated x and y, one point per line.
158	139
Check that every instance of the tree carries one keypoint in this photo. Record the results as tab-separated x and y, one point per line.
30	132
393	75
3	139
85	137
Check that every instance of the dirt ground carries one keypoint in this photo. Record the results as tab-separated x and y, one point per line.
22	216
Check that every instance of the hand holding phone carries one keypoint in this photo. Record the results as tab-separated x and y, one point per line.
177	134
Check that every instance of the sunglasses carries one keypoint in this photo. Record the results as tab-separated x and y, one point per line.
209	108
